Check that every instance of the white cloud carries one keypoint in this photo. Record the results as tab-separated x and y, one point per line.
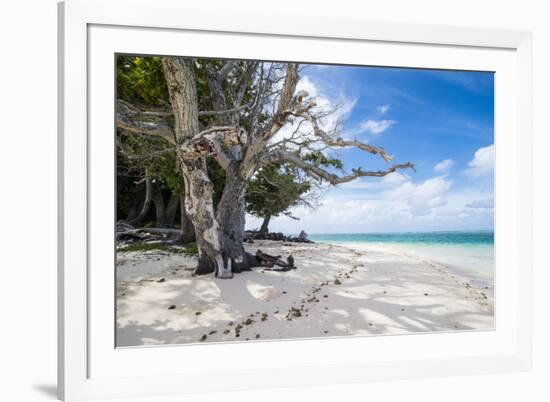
444	166
395	178
383	204
483	162
376	126
424	197
383	109
339	105
305	84
483	204
367	206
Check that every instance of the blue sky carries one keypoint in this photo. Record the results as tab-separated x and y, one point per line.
442	121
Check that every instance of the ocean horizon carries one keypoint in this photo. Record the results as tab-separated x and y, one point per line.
437	237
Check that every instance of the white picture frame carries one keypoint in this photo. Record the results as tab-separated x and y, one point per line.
89	365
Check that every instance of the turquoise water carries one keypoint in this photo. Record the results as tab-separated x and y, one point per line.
450	238
470	251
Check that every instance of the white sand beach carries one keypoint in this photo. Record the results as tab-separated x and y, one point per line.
336	290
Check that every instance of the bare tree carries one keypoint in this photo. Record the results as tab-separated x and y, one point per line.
252	102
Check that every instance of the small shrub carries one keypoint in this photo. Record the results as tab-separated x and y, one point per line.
192	248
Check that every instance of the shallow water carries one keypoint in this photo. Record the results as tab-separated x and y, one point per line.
470	251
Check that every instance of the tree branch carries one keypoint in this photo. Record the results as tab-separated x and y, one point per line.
148	155
220	112
215	80
224	71
145	113
285	101
322	174
247	76
229	135
304	112
131	119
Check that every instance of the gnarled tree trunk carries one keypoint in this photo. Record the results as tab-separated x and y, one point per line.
200	209
198	195
231	218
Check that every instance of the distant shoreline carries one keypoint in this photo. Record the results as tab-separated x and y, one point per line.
462	237
407	232
387	233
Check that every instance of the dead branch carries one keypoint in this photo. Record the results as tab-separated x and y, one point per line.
226	111
130	119
339	142
321	174
285	101
269	261
148	155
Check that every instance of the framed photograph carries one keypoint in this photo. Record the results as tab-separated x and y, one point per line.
245	204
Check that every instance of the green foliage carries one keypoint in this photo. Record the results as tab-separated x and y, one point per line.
165	169
274	190
141	80
189	249
322	159
192	249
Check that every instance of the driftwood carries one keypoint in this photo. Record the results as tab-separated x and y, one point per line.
165	232
128	234
270	261
250	236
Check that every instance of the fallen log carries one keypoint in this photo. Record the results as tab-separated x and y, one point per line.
271	261
122	226
160	231
133	236
146	234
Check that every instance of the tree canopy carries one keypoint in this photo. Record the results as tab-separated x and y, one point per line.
238	134
274	190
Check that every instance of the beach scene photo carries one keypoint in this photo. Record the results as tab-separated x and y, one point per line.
264	200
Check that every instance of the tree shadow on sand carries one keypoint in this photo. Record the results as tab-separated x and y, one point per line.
372	299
